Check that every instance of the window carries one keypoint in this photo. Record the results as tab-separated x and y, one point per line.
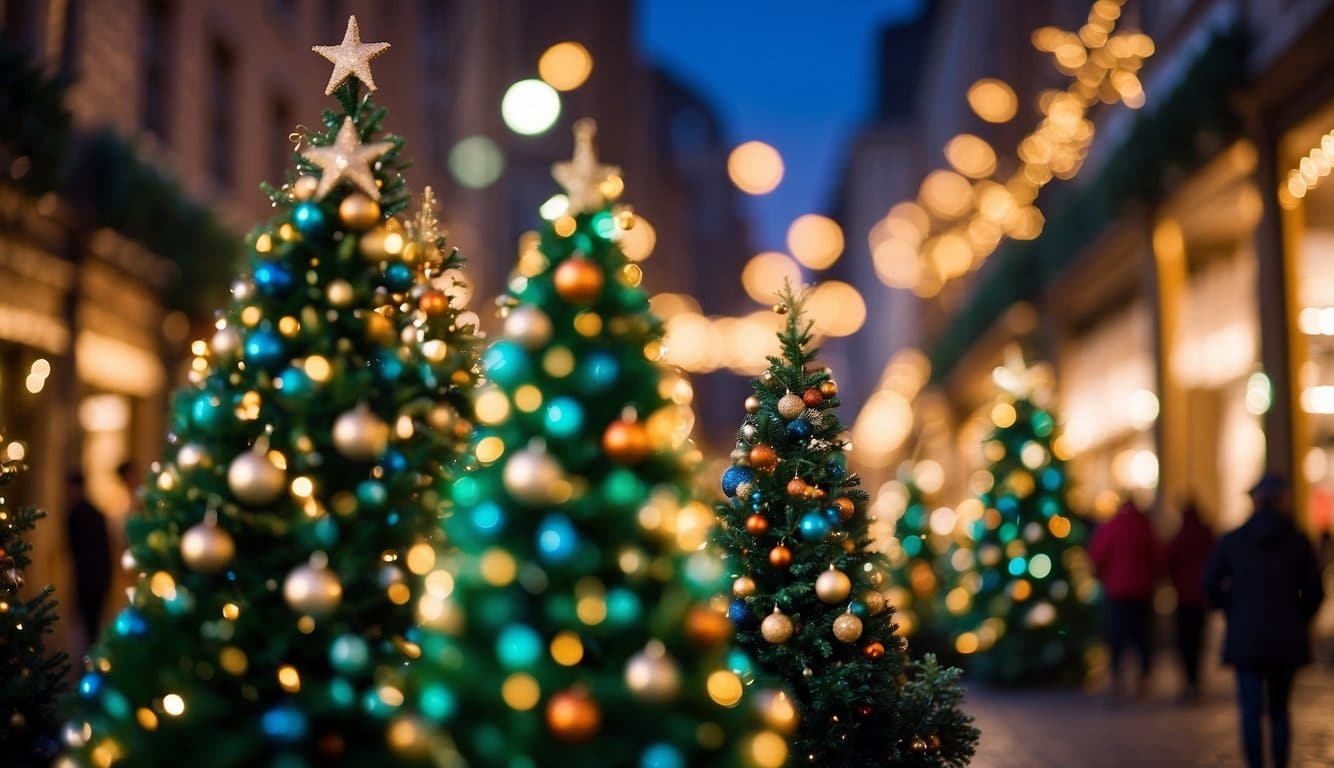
222	98
156	68
280	125
16	22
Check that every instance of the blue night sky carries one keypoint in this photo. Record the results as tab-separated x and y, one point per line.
794	73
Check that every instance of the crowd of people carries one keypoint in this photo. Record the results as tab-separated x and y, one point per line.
1264	577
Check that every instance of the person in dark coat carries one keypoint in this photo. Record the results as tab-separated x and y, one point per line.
1128	561
1263	576
1187	554
90	548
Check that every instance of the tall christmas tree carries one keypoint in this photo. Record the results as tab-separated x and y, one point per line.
31	676
809	601
579	633
1026	610
286	536
918	569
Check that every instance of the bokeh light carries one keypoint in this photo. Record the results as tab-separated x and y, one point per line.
755	168
814	240
530	107
971	155
638	241
764	275
993	100
946	194
565	66
836	308
476	162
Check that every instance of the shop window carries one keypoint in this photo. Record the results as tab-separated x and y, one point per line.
221	120
156	68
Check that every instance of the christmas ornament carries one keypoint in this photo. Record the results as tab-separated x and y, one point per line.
578	280
626	442
743	586
756	524
573	716
744	490
776	627
874	651
254	479
814	526
919	745
833	586
735	476
433	303
652	675
763	458
530	475
225	341
529	326
748	431
790	406
191	455
847	627
360	435
812	398
798	430
874	601
828	388
456	286
304	187
780	556
264	349
705	626
340	293
583	176
739	613
351	58
272	279
768	378
309	219
358	212
845	507
347	159
206	548
312	590
752	404
797	487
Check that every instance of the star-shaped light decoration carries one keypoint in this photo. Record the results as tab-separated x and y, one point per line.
347	158
351	58
588	184
1014	377
424	232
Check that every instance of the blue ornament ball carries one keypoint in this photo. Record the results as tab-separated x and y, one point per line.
837	467
506	363
371	494
349	654
487	518
394	462
833	515
739	613
90	685
273	279
662	756
309	219
598	372
206	411
282	723
131	623
293	384
735	476
557	540
264	348
814	526
564	417
398	277
798	429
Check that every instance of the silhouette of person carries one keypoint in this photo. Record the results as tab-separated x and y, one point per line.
1128	560
1187	554
90	547
1263	576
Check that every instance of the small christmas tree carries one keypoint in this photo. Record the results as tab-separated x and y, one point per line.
918	568
578	633
1026	610
31	677
286	536
809	602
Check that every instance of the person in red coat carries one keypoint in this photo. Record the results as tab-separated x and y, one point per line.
1128	561
1187	553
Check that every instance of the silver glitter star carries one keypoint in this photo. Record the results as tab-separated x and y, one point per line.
582	175
351	58
347	158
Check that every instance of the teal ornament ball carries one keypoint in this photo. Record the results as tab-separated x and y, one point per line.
293	385
309	219
597	372
371	494
563	417
622	488
623	607
814	526
349	654
437	703
264	348
518	646
507	363
206	411
662	756
284	723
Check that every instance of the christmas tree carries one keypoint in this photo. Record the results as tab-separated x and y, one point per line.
288	532
579	631
809	601
1025	610
31	677
918	567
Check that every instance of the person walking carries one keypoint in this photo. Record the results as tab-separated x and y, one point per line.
1128	561
1187	554
1263	576
90	550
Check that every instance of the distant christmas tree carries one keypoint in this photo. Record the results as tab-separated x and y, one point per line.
919	569
31	676
809	605
1026	611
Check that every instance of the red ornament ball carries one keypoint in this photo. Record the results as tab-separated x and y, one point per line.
812	398
756	525
763	458
780	556
578	280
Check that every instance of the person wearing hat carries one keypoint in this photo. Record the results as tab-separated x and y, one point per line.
1263	576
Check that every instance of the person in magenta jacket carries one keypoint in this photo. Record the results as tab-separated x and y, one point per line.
1128	561
1187	553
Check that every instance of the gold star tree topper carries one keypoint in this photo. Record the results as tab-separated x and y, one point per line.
588	184
351	58
1020	380
347	158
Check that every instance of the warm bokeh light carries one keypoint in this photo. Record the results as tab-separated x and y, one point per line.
765	274
638	241
565	66
836	308
946	194
530	107
476	162
993	100
881	427
971	155
755	168
814	240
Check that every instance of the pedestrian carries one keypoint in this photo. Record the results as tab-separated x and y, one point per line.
1187	554
1128	561
90	550
1263	576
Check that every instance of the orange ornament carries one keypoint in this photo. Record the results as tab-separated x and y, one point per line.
578	280
812	398
828	388
780	556
845	507
705	626
796	487
756	525
573	716
626	442
433	302
763	458
874	651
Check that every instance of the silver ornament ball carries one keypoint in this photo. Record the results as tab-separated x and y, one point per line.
207	548
312	590
651	674
530	474
255	480
529	326
360	435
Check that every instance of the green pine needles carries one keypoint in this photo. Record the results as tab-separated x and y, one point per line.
809	600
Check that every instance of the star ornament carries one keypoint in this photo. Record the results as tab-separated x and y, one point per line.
583	177
351	58
347	159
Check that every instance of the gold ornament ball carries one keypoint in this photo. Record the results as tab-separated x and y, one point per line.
529	326
744	490
340	293
371	244
744	586
312	590
225	341
833	586
828	388
358	212
379	328
847	628
707	627
752	404
573	716
780	556
874	600
651	674
207	548
790	406
919	745
626	442
578	280
304	187
255	480
360	435
530	475
776	627
191	456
